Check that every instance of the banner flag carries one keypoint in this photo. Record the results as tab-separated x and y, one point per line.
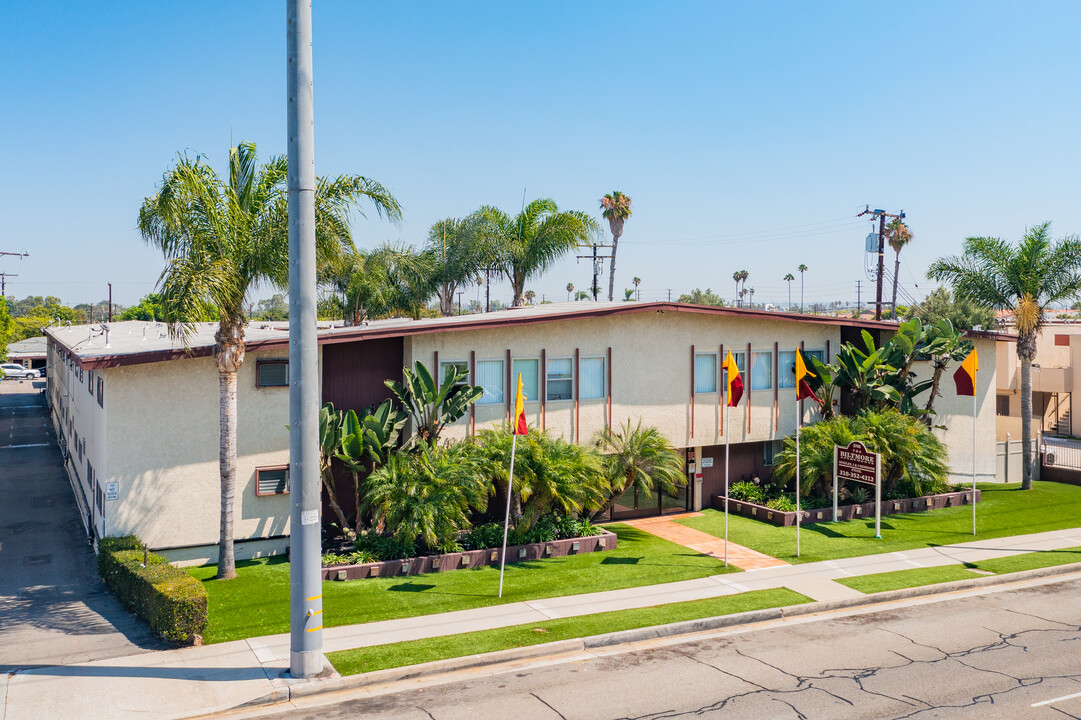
735	382
803	390
519	410
965	377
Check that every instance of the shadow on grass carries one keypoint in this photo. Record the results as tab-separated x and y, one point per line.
410	587
620	561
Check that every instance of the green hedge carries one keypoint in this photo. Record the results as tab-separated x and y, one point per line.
170	600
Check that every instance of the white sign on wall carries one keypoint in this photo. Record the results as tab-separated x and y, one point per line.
112	491
707	462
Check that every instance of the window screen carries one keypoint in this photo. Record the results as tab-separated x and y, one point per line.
560	375
591	382
271	481
529	371
272	374
705	372
761	370
786	375
490	377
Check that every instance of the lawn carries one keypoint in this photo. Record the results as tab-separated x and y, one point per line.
380	657
257	601
1004	510
880	582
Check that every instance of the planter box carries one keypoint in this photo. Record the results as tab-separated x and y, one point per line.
844	512
472	558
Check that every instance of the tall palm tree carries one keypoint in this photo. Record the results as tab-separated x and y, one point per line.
1025	278
788	279
616	209
736	276
570	289
221	237
524	246
637	281
455	244
802	269
898	235
752	297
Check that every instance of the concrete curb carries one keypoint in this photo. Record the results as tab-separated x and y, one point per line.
349	682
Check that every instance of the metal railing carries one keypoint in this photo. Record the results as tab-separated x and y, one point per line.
1061	452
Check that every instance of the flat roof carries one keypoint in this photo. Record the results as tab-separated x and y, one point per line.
34	347
136	342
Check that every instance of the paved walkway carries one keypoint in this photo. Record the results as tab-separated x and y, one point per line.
184	682
742	557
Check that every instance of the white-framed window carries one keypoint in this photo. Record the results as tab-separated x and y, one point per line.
786	369
450	366
491	379
762	370
705	373
741	364
529	369
591	380
559	384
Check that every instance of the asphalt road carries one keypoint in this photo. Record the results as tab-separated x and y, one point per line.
54	607
991	656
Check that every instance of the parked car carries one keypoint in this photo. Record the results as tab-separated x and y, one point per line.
16	372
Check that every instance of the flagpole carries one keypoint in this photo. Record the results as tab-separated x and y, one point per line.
506	521
727	435
974	458
799	422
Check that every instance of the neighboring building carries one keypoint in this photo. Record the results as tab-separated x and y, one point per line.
147	418
29	353
1054	383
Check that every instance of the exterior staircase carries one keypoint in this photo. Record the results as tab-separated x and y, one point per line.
1062	427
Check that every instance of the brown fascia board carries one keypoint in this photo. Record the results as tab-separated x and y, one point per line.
151	356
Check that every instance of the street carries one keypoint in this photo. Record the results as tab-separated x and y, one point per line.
989	656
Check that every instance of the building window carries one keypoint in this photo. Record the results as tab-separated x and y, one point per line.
771	448
705	372
272	480
101	393
461	367
786	366
271	373
530	371
591	378
819	355
490	377
560	379
761	370
90	385
741	365
1002	405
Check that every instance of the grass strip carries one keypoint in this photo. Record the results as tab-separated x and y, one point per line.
1004	510
381	657
1031	561
256	602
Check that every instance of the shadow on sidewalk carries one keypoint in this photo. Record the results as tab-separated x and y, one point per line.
204	674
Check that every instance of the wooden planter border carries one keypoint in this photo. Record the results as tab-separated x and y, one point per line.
607	540
844	512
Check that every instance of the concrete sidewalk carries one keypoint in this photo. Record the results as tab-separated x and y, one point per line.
190	681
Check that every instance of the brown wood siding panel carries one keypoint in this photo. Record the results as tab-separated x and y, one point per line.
747	387
354	373
720	390
543	385
745	461
692	392
609	393
511	399
577	368
776	381
473	380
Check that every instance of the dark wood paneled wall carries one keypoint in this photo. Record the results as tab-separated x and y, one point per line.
354	373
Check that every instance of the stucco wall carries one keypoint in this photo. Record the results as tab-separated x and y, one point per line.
163	444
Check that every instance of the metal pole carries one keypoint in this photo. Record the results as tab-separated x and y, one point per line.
110	302
799	423
305	587
595	288
878	496
506	520
881	268
727	435
974	459
834	483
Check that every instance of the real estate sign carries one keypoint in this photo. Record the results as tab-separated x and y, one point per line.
854	462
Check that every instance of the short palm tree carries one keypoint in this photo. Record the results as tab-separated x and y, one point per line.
802	269
570	289
221	237
641	458
527	244
898	235
1025	278
788	279
637	281
529	296
616	208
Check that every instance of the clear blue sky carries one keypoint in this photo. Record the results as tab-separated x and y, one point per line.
749	135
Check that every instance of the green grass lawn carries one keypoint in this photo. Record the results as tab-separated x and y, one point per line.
880	582
1004	510
257	601
380	657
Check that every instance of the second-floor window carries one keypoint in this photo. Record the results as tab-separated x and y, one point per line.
705	372
591	378
491	378
560	380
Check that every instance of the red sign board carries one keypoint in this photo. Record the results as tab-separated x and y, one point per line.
856	463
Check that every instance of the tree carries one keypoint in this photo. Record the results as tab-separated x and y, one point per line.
570	289
641	458
702	297
7	328
802	269
430	404
148	309
616	208
276	307
581	295
898	235
788	278
1025	278
530	296
220	238
940	304
458	252
637	294
524	246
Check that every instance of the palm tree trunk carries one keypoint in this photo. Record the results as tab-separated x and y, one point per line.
936	378
801	292
1026	353
896	269
612	269
227	468
789	308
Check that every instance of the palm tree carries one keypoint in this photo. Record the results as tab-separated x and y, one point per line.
529	296
527	244
802	269
788	279
616	209
220	238
898	235
736	276
570	289
637	281
641	458
1026	278
456	246
752	297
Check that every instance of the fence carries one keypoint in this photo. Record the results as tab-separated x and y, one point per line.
1061	452
1008	457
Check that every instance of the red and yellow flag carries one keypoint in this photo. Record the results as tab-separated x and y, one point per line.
734	391
965	377
803	390
519	427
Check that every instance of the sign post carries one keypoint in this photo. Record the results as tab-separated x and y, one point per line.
855	463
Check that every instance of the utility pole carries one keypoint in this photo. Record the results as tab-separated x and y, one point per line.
110	302
859	296
669	294
3	284
596	265
305	588
460	293
881	215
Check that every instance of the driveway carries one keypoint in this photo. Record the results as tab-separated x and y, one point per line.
54	608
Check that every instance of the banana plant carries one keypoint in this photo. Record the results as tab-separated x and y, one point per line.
948	344
365	445
430	405
867	375
330	437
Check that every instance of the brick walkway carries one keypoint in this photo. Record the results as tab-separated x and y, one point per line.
742	557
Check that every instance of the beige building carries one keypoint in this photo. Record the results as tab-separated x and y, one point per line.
1054	383
150	462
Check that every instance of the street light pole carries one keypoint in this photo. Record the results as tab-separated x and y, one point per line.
305	586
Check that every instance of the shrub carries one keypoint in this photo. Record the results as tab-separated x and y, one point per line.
354	558
489	535
748	492
860	495
384	547
784	503
172	602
